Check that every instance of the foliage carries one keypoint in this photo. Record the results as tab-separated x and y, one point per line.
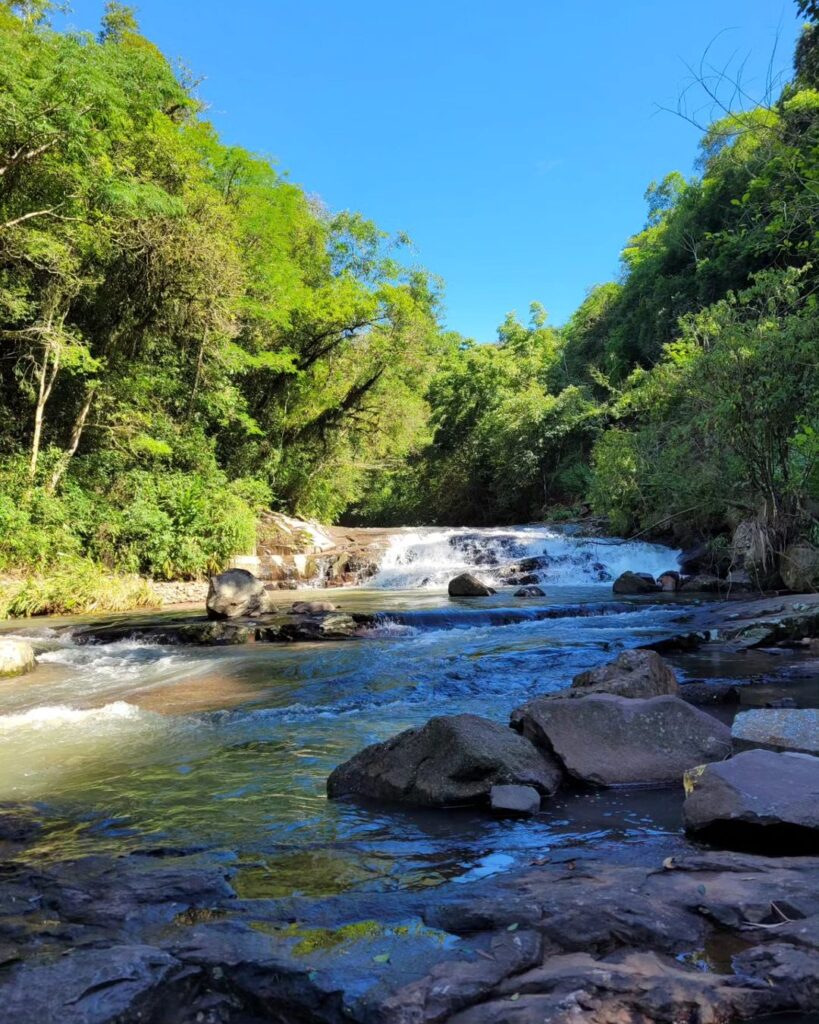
186	334
75	586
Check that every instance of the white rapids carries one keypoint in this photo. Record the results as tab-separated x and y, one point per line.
430	557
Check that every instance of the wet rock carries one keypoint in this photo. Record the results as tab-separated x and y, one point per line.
530	591
311	607
214	633
467	585
633	673
799	567
669	580
635	583
234	594
756	800
711	692
777	729
604	740
453	759
16	658
514	800
703	583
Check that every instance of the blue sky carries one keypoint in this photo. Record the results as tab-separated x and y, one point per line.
513	141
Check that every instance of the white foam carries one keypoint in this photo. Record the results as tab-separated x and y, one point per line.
428	558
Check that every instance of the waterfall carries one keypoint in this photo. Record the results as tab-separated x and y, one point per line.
548	555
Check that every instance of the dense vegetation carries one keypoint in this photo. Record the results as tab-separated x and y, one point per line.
188	337
682	397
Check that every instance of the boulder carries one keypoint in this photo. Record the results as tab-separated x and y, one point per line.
605	740
311	607
530	591
467	585
799	567
669	580
777	729
635	673
696	559
703	583
453	759
16	658
635	583
514	801
234	593
757	800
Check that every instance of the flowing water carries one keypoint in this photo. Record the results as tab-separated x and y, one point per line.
229	748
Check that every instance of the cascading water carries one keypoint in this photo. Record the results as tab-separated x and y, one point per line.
429	558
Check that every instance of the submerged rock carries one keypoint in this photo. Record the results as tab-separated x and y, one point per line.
514	800
703	583
756	800
605	740
716	691
467	585
16	658
311	607
234	594
778	729
453	759
633	673
530	591
635	583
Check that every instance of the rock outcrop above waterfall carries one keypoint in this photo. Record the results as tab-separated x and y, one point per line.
467	585
756	800
16	658
634	673
604	740
452	759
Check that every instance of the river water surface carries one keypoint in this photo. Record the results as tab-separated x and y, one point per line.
133	744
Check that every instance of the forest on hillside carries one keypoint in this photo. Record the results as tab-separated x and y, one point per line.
188	337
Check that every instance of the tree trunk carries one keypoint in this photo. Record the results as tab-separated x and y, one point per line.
43	392
74	443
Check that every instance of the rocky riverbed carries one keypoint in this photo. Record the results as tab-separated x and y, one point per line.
169	855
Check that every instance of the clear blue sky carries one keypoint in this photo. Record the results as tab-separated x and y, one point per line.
511	139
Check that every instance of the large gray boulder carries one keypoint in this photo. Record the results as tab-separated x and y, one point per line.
799	567
634	673
777	729
605	740
234	593
453	759
16	658
635	583
758	799
467	585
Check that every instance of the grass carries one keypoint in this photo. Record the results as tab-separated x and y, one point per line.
74	587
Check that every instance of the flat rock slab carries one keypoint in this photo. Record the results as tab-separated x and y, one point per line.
756	800
604	740
778	729
453	759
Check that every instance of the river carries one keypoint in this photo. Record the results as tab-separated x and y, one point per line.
229	748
